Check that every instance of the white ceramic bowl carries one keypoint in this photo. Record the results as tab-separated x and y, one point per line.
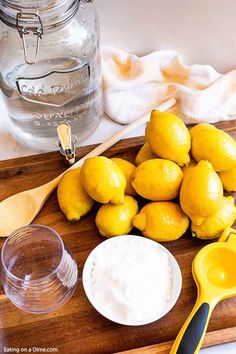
175	288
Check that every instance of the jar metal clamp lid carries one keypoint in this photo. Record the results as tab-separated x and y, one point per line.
32	18
37	30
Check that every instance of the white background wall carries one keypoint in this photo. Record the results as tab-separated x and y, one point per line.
203	31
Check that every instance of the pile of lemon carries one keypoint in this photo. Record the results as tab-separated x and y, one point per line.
179	173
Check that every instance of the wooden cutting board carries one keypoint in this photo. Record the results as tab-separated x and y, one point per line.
77	328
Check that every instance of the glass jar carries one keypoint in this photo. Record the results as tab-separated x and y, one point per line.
38	273
50	69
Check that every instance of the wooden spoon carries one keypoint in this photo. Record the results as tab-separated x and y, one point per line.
20	209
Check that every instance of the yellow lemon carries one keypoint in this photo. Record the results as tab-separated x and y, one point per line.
215	146
128	170
168	137
228	179
186	169
72	198
161	221
201	192
199	127
215	225
144	154
103	180
158	180
114	220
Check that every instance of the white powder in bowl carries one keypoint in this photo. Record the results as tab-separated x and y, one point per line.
130	279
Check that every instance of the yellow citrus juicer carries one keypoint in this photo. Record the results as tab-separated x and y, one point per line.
214	271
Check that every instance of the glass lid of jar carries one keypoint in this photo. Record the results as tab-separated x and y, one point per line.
37	17
32	13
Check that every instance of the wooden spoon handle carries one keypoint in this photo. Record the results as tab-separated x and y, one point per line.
165	106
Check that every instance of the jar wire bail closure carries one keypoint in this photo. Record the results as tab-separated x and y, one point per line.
37	30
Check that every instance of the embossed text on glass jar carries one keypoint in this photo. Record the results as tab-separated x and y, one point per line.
50	69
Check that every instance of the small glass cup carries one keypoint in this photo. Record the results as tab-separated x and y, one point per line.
38	273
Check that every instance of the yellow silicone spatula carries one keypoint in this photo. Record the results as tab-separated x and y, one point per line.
214	271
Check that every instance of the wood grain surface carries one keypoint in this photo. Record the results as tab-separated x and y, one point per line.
77	328
211	338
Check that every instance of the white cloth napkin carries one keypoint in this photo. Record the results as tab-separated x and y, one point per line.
134	86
